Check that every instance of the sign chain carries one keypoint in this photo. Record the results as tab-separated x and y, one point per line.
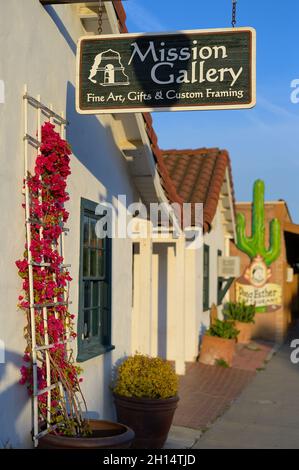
234	13
100	17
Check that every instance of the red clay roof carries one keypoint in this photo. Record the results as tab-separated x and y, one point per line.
186	175
198	176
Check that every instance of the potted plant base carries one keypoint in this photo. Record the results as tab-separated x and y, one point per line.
243	316
150	418
245	332
214	348
105	435
146	396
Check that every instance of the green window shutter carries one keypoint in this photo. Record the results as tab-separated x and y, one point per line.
94	319
219	282
206	277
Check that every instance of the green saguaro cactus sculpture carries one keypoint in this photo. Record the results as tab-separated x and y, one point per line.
255	245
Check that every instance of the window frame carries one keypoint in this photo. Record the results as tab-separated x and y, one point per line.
95	347
206	279
219	280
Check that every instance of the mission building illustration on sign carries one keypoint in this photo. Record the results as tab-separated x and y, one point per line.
187	70
107	69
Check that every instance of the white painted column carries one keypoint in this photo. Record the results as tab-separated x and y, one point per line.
191	307
145	296
155	302
179	304
227	245
227	253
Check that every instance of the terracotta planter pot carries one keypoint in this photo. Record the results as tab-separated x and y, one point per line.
150	419
245	334
105	435
213	348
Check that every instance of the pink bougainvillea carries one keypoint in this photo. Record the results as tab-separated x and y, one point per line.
47	188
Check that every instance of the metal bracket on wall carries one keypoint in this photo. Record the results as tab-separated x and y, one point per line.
224	285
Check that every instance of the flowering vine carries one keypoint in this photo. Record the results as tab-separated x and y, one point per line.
47	191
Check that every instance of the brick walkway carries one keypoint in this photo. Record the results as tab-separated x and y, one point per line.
266	415
207	391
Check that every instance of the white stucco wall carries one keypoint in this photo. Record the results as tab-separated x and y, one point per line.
38	49
168	316
216	240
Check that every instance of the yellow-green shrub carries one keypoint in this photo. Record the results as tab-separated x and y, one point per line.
145	377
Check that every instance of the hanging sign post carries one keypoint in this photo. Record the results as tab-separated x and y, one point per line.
185	70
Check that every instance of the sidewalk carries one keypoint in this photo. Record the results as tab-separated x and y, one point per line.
206	392
266	415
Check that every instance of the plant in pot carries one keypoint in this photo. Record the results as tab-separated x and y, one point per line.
146	396
219	343
243	317
49	371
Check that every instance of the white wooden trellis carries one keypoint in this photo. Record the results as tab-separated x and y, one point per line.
42	113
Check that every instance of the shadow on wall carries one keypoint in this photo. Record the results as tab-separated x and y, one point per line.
102	387
92	143
94	147
62	29
106	391
13	400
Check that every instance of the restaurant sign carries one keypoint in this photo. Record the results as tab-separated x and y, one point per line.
269	296
185	70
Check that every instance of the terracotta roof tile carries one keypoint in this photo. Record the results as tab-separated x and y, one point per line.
186	175
198	176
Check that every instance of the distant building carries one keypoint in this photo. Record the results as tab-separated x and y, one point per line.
273	325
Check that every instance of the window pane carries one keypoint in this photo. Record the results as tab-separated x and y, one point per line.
87	294
101	243
94	315
85	262
101	263
93	237
86	230
95	321
93	262
86	330
96	294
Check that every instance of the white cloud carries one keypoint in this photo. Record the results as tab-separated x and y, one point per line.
274	108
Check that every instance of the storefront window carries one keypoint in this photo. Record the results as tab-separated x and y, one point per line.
94	326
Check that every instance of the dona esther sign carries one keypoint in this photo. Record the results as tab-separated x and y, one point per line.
186	70
269	296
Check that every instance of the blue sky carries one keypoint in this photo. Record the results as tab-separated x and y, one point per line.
262	142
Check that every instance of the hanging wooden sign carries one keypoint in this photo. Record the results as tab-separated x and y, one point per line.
185	70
